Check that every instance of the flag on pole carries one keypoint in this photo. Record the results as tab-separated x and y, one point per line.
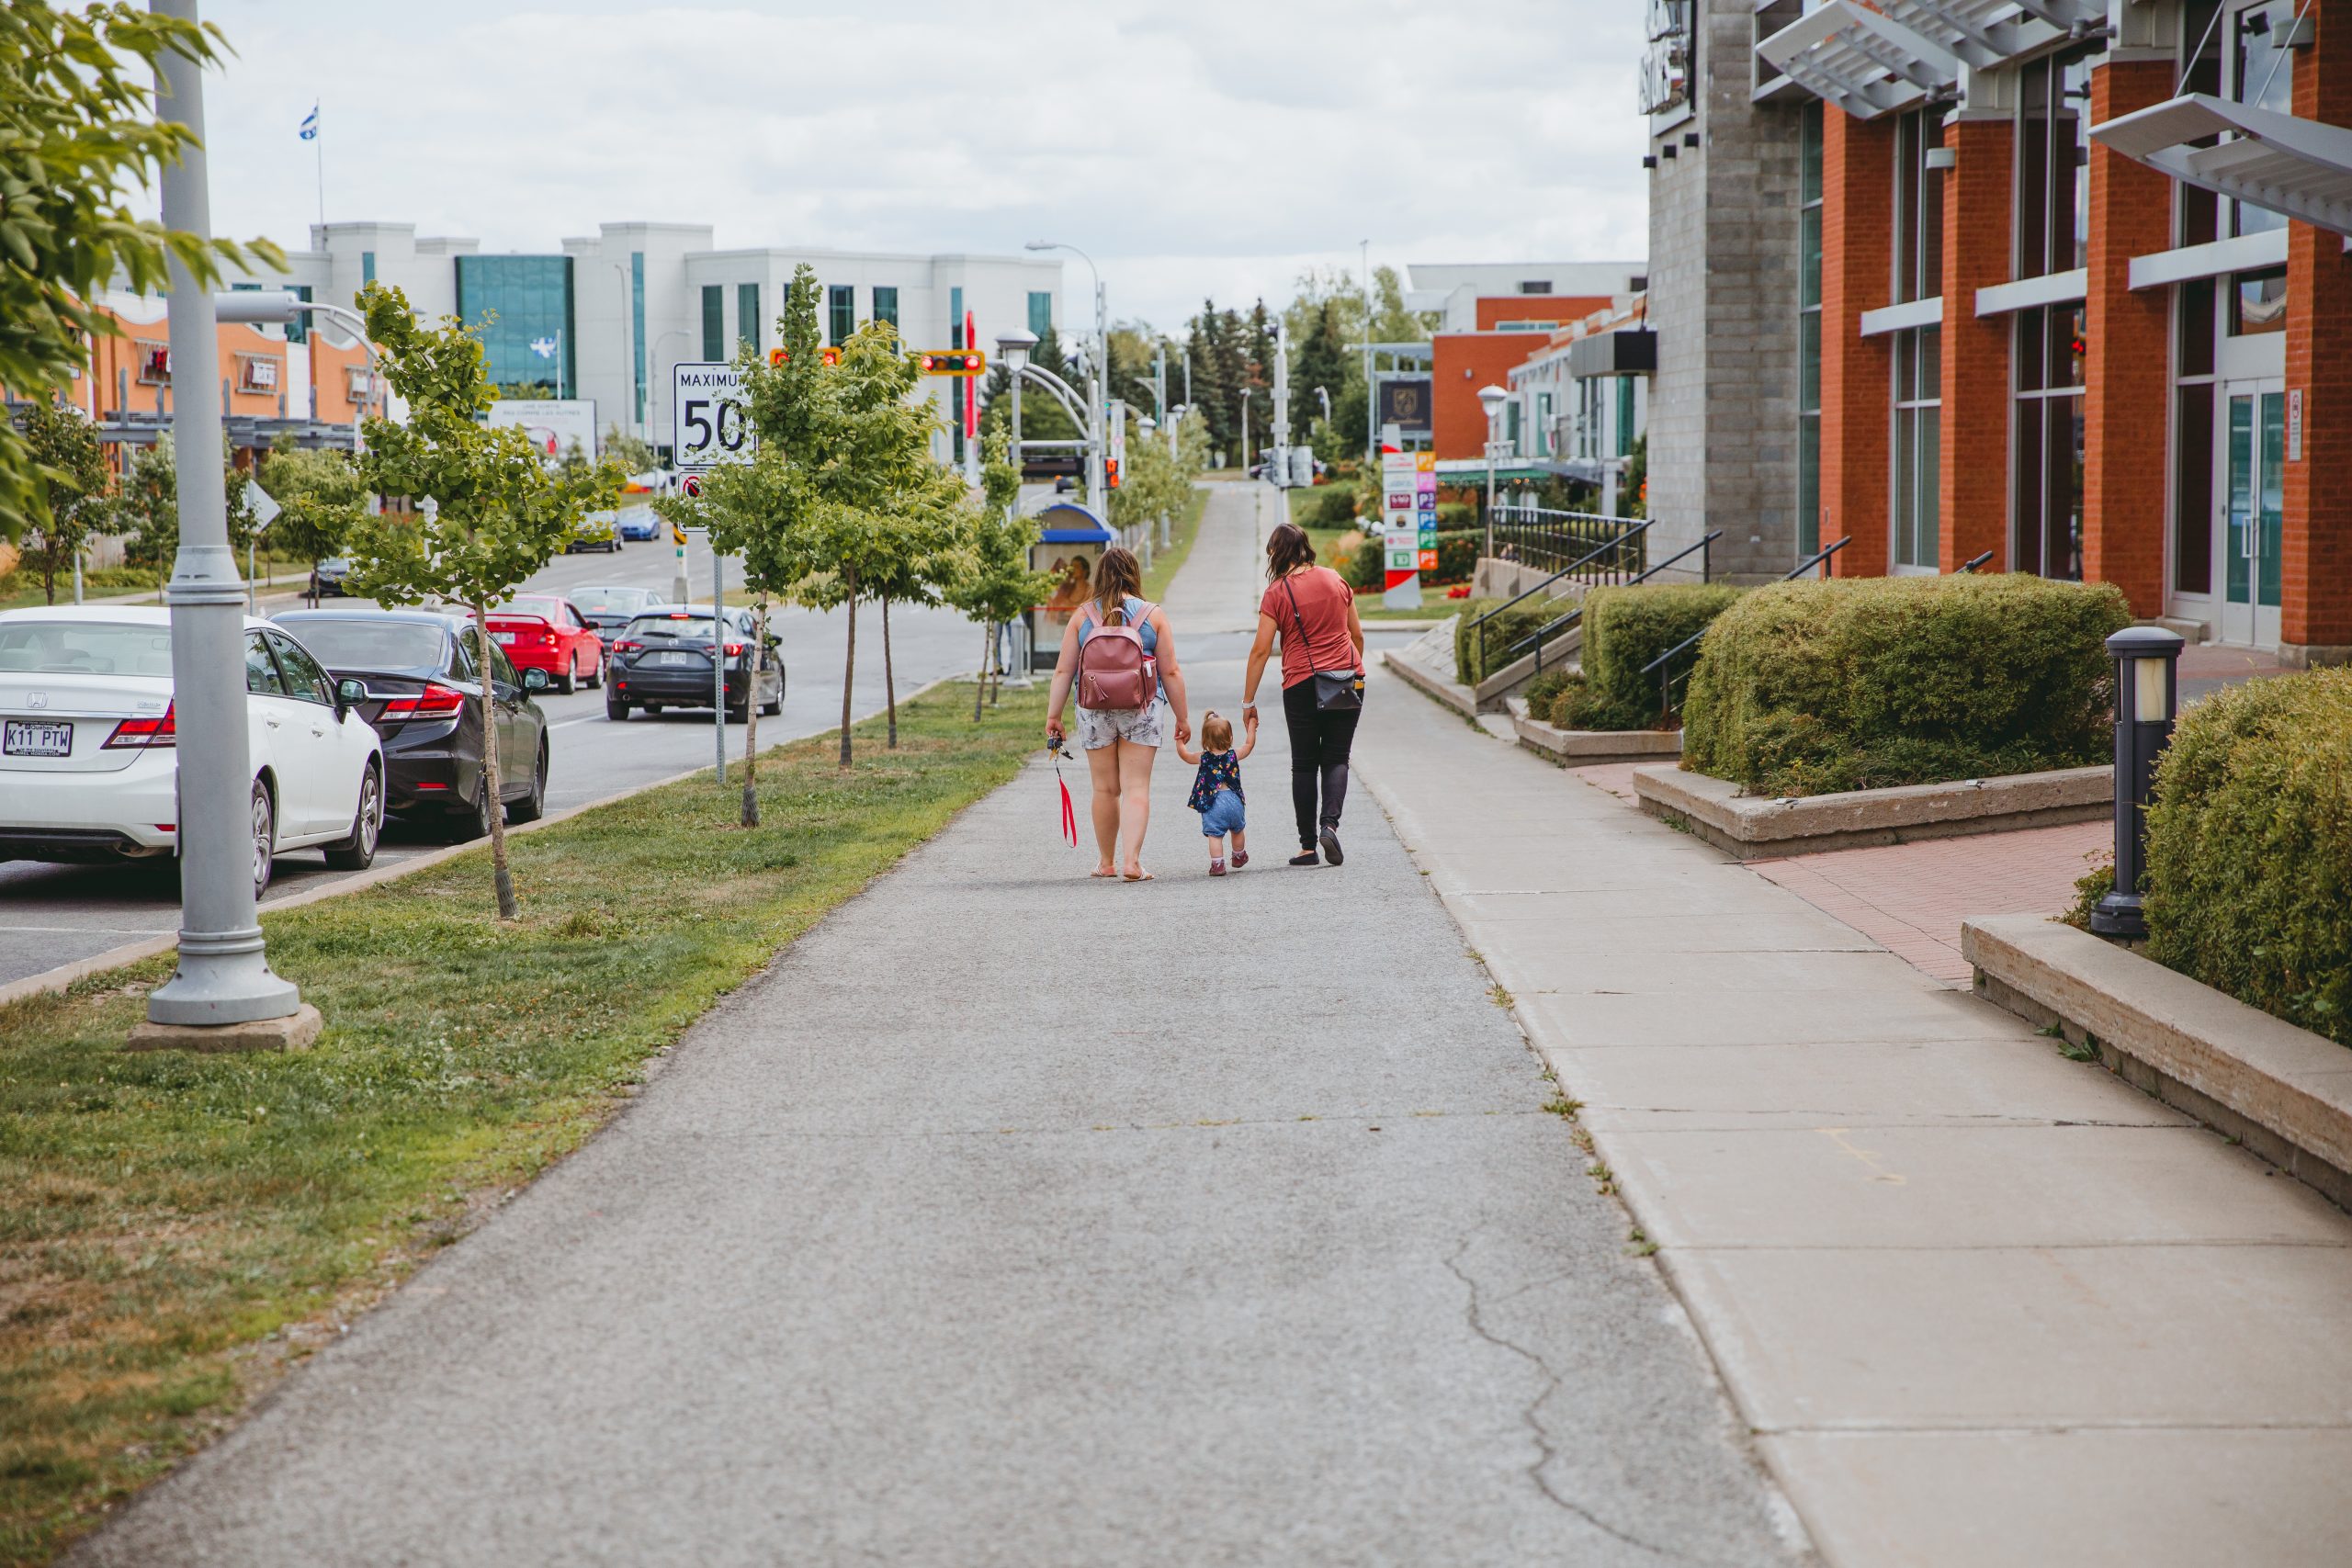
311	124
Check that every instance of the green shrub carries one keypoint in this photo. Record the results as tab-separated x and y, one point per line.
1541	692
1366	568
1500	633
1861	683
1334	506
1567	706
1454	515
1624	628
2249	883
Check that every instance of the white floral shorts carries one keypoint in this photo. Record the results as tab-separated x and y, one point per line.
1098	728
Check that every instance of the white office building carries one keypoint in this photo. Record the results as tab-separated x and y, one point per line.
606	318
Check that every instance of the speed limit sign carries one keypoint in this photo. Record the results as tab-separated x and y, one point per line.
707	419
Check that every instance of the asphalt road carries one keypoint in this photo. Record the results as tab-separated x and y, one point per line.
55	914
1013	1218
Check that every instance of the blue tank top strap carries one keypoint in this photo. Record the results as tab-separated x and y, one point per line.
1136	608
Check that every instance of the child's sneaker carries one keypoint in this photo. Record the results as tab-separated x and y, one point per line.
1240	859
1217	866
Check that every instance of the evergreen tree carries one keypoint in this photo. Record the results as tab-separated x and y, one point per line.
1321	360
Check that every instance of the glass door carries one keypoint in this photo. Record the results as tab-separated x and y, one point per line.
2253	437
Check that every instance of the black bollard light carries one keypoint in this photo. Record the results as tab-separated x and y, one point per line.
2147	694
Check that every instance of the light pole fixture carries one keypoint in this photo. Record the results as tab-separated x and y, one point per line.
1245	430
2147	696
1098	376
1493	398
1012	348
224	817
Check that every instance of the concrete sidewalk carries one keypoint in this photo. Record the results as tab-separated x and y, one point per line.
1982	1304
1013	1218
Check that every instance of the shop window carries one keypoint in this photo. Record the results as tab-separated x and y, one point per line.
2054	164
841	312
155	364
2046	467
1918	208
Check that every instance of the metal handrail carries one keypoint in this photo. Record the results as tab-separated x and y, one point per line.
1666	682
1819	558
1478	623
1975	562
1541	536
1561	627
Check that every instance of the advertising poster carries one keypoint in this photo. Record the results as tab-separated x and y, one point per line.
554	425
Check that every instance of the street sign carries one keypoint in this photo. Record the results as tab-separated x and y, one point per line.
1408	524
691	485
677	535
258	501
708	421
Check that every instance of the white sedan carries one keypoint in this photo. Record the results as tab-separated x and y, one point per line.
88	769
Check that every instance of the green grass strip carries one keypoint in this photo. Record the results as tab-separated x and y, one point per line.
1182	531
179	1228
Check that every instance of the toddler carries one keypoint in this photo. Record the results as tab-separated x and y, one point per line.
1216	789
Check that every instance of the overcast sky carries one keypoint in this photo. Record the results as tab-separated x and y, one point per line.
1199	147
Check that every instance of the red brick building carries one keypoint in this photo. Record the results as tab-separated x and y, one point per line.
2081	303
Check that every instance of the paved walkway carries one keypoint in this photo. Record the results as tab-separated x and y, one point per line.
1016	1219
1982	1304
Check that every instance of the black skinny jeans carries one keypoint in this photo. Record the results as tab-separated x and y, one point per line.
1319	741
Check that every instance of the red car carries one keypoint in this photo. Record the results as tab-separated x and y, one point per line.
540	631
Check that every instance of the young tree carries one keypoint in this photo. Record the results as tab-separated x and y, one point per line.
321	496
74	479
496	514
632	454
756	512
996	584
147	507
921	553
82	134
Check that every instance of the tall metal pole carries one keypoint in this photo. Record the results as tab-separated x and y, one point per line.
1371	404
1098	386
223	974
718	658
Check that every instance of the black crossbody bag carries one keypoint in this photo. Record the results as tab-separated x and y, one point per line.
1335	691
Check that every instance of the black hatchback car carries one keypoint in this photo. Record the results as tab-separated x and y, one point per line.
663	660
416	676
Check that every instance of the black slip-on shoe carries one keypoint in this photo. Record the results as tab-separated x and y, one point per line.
1306	857
1330	838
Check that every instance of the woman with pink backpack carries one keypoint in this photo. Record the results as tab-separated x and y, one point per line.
1120	656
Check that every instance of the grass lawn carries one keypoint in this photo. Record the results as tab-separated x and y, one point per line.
179	1229
20	589
1182	532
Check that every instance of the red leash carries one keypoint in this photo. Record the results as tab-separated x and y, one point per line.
1069	814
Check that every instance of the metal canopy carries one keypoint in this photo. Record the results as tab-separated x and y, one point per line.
1986	34
2299	167
1860	61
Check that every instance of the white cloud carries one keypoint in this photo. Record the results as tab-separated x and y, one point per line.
1214	147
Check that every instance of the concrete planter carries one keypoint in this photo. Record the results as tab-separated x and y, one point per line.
2284	1091
1762	827
1587	748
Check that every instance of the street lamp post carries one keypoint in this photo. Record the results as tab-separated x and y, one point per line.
679	585
223	977
628	370
1012	347
1098	379
1494	398
1245	430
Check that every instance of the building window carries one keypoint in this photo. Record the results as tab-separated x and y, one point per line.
1543	424
2047	473
367	268
2258	302
2192	438
840	313
714	322
1918	351
1535	286
955	318
958	391
521	308
637	326
1511	425
1809	331
1625	416
298	329
747	316
885	306
2053	165
1041	311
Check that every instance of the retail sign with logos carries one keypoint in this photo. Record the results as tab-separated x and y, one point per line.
1408	524
1406	401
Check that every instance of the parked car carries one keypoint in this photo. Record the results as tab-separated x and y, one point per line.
1064	484
663	660
610	609
597	531
415	675
89	759
328	575
639	524
547	631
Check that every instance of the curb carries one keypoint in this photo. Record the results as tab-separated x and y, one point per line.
65	975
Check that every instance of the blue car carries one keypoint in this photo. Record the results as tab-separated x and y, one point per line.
637	523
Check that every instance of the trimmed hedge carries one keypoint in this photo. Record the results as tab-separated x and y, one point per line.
1804	688
1457	557
2249	886
1501	632
1624	628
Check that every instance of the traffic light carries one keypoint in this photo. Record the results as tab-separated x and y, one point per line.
828	356
1110	473
953	362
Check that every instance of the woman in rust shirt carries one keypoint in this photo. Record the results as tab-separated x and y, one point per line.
1313	612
